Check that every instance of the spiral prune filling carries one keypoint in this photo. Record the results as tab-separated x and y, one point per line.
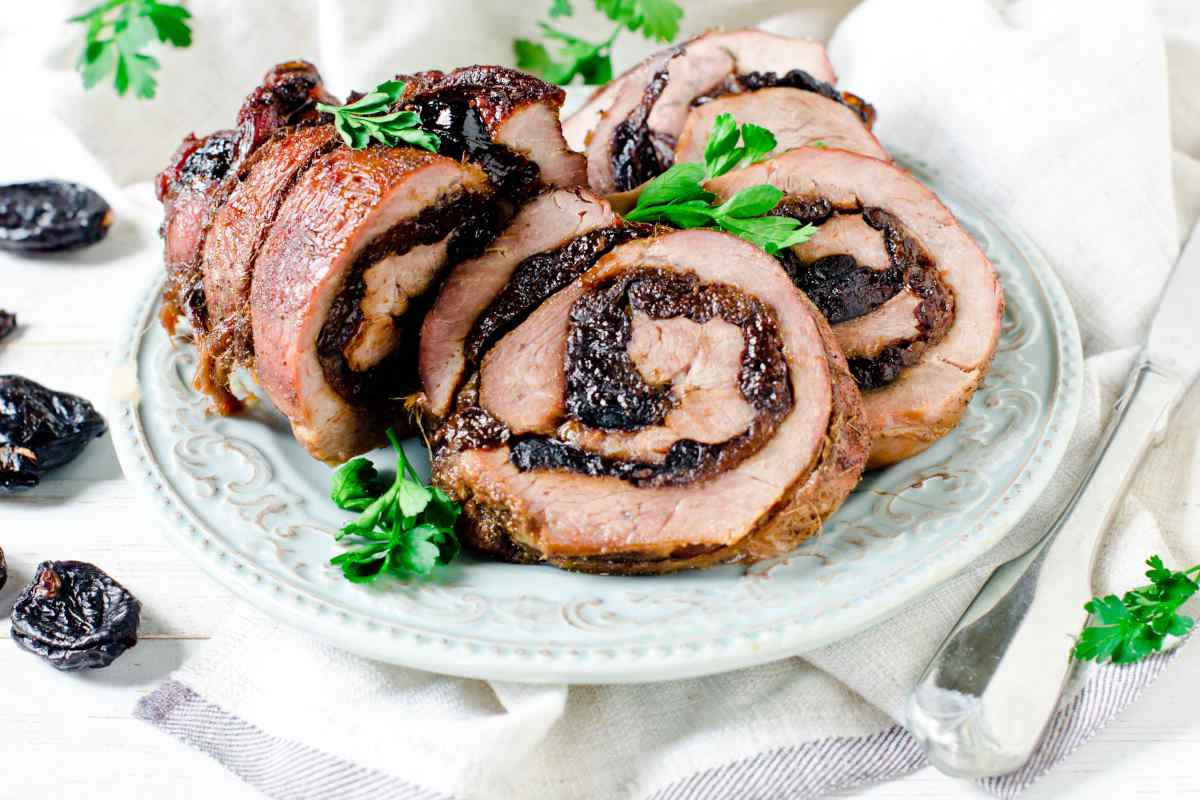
541	275
639	153
792	79
843	290
606	393
469	222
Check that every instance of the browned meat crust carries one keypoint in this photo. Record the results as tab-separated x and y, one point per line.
203	173
510	484
351	207
498	92
223	196
916	381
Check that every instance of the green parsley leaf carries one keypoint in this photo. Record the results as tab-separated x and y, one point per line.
678	197
1137	624
370	118
592	61
658	20
770	233
405	529
118	31
533	57
722	152
753	201
679	184
356	485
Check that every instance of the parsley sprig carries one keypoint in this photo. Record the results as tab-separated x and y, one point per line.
1137	624
657	20
678	197
371	117
117	33
403	529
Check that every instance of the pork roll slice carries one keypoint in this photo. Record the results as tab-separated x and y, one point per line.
203	171
661	111
503	119
913	301
550	242
229	252
342	280
678	405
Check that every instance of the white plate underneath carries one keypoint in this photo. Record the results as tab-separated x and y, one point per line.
243	499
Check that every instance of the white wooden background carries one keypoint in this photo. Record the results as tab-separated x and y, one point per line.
71	734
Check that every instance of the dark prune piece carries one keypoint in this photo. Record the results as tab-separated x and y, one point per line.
46	216
75	616
18	469
55	426
8	323
3	569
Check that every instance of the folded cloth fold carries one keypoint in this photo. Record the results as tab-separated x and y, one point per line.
1055	116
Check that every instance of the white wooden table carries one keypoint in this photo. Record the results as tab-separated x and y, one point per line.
71	734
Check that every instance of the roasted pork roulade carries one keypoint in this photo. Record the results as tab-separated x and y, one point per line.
678	405
504	120
204	171
914	303
343	278
312	264
662	110
552	241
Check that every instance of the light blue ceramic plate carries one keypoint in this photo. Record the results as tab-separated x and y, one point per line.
243	499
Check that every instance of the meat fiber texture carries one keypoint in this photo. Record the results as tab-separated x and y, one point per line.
928	399
654	101
759	508
228	196
545	224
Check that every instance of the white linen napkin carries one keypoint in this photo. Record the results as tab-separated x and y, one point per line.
1058	119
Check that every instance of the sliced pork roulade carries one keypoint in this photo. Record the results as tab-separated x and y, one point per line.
503	119
342	281
285	249
914	303
679	405
203	171
662	110
550	242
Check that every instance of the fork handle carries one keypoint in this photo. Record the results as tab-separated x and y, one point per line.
983	702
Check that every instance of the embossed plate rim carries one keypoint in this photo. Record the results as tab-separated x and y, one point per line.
679	657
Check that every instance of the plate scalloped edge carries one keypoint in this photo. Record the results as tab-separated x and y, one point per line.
705	649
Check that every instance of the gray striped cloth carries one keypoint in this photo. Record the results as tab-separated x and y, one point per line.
288	770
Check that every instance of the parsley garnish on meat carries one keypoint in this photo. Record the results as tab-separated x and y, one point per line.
117	33
678	197
657	20
370	117
403	529
1137	624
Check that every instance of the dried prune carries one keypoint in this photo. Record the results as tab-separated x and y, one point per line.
54	426
75	616
18	469
46	216
3	569
8	323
